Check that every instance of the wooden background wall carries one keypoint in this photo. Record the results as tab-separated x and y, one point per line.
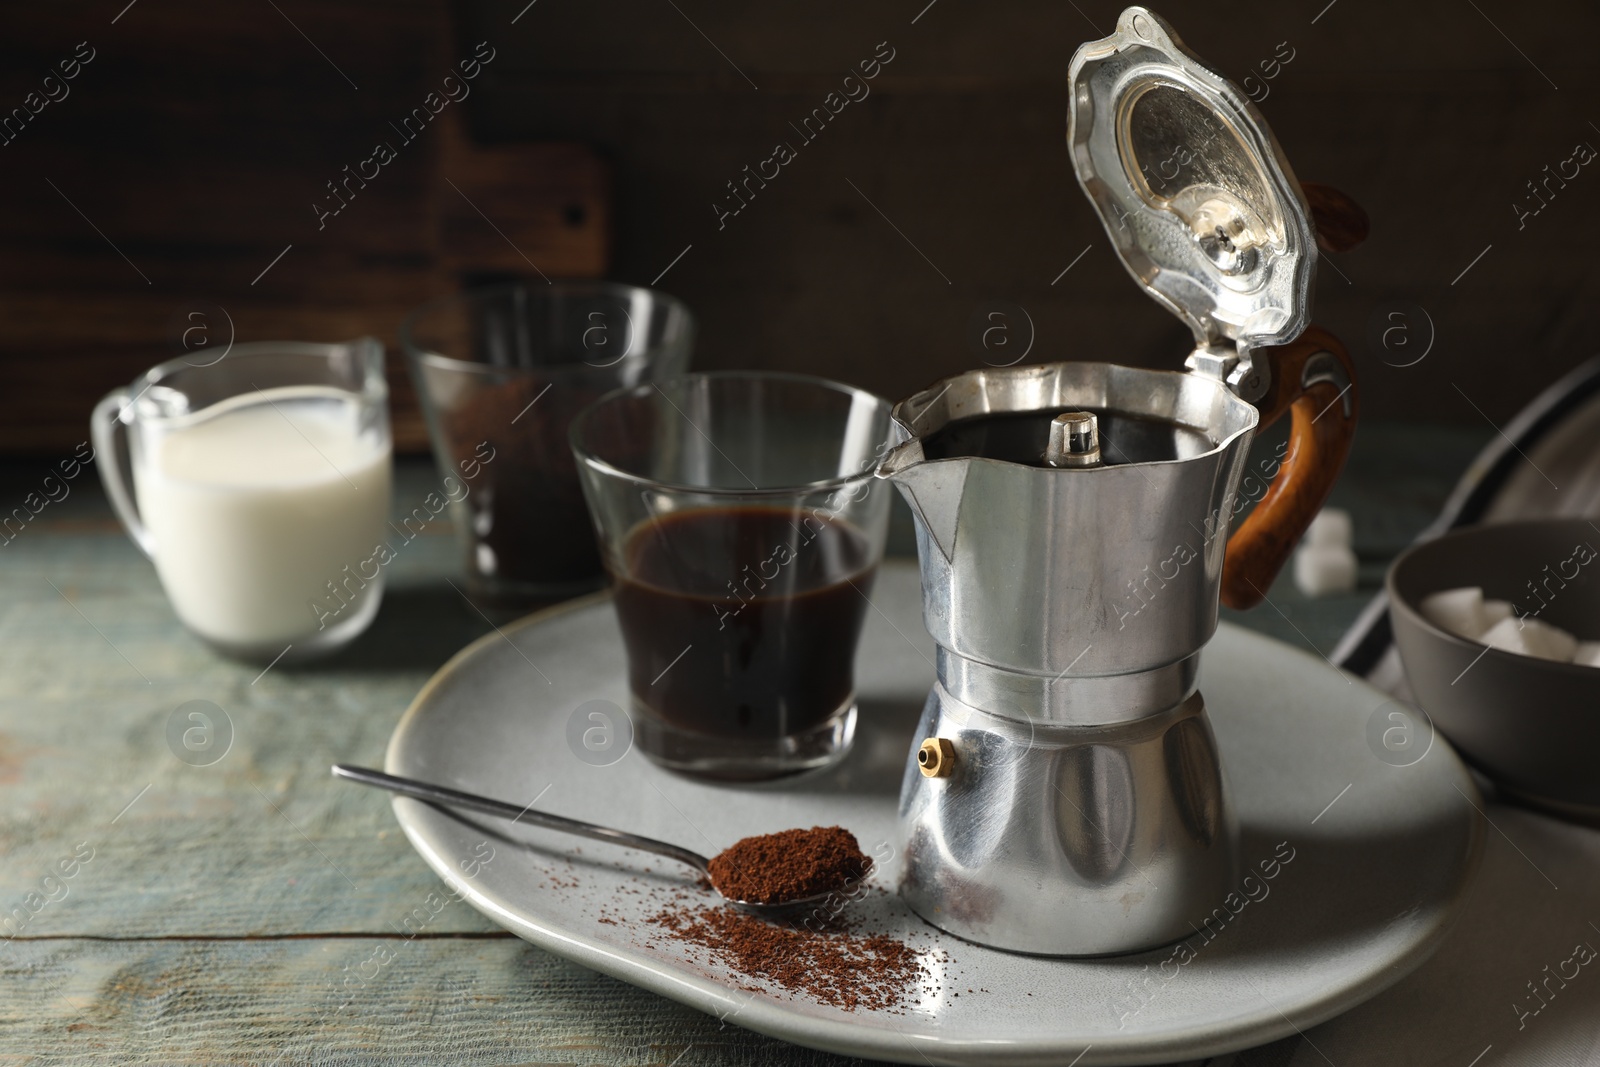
1421	110
186	158
199	136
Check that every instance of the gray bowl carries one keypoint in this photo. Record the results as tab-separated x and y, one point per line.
1531	725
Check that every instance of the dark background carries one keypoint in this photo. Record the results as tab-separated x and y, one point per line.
599	137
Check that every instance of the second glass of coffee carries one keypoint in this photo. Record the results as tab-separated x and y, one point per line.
500	373
742	527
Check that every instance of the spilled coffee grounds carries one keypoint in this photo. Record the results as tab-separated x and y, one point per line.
823	959
789	865
820	952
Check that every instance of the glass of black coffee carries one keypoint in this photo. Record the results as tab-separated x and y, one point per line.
741	524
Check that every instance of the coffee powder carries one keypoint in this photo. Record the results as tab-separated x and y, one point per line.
821	957
789	865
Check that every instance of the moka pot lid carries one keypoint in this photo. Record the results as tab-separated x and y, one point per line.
1194	192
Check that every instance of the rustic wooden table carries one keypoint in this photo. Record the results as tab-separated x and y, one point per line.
251	910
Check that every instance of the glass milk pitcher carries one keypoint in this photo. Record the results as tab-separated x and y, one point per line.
260	490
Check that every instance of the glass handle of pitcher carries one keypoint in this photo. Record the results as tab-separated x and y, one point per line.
1314	382
110	414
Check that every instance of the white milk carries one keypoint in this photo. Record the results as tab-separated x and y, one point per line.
255	509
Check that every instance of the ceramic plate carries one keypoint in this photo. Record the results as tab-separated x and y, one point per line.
1379	853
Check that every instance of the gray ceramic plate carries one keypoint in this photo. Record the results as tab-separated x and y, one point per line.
1381	854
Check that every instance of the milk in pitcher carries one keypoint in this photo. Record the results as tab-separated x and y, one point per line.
257	506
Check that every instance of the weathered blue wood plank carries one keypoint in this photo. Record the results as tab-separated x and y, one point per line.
348	1000
92	665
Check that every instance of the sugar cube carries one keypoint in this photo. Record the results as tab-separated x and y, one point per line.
1459	611
1588	653
1323	569
1494	611
1330	529
1528	636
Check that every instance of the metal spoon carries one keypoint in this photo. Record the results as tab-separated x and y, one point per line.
439	794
